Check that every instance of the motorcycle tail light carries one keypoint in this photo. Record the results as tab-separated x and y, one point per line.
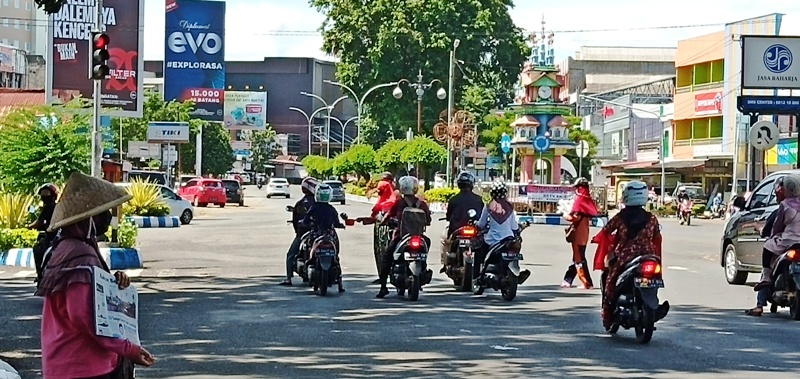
415	242
468	231
650	269
793	255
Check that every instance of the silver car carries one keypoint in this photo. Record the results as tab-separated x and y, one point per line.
338	191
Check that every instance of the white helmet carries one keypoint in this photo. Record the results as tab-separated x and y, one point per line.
682	189
323	194
634	194
408	185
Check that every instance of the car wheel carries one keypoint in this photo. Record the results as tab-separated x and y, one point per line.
222	205
732	274
343	201
186	217
269	196
202	205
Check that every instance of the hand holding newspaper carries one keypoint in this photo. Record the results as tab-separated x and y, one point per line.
115	310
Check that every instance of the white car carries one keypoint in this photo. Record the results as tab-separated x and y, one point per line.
178	207
278	187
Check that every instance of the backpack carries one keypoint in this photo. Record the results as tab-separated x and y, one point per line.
414	219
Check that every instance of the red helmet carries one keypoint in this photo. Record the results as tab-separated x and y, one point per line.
309	185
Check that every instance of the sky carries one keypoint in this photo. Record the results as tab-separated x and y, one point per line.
269	28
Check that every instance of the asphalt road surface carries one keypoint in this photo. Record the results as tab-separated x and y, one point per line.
211	309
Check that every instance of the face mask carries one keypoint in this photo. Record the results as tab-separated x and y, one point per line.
101	223
48	199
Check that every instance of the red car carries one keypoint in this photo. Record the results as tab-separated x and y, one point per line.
202	191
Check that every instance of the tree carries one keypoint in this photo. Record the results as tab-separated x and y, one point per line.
389	156
495	126
317	166
261	144
384	41
358	159
32	153
217	151
424	152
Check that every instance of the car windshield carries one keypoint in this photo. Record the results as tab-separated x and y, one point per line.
211	184
153	177
231	184
695	193
279	181
334	184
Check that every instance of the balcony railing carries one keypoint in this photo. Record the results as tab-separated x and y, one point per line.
699	87
698	141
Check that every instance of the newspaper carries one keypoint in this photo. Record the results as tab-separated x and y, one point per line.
115	310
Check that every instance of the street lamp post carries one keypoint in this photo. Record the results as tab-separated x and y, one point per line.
328	121
450	100
310	120
660	139
419	89
360	100
343	125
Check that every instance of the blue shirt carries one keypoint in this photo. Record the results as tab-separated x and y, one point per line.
324	216
497	232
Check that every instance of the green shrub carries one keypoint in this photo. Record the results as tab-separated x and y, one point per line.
126	234
146	201
355	190
440	195
15	210
17	238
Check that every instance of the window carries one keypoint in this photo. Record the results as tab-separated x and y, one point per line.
27	46
5	22
16	4
27	26
16	44
16	24
763	195
5	3
168	194
27	5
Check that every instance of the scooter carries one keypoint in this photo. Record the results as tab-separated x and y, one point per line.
636	297
458	253
785	291
685	212
501	270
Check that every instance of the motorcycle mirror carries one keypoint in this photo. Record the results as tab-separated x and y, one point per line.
343	215
289	208
472	213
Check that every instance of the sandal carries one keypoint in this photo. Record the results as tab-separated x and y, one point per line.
755	312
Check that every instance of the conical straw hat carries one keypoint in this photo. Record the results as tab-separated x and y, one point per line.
84	197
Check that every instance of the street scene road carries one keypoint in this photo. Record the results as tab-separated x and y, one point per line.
210	308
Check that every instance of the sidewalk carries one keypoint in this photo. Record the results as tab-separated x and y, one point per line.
7	372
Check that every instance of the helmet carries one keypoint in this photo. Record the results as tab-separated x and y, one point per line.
408	185
308	185
498	189
581	182
465	179
323	194
50	187
682	189
387	176
634	194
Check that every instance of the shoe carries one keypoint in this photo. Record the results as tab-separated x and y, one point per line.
566	284
376	281
341	289
286	282
382	293
523	276
662	310
756	312
442	270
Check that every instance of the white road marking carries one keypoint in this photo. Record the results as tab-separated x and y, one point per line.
677	268
504	347
134	273
23	274
167	273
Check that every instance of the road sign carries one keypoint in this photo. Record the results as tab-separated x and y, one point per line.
505	143
768	104
582	149
541	143
764	135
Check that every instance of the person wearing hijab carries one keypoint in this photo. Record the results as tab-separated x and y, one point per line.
499	220
583	210
48	193
70	346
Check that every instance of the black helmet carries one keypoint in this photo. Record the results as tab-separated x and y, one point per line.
465	180
581	182
387	176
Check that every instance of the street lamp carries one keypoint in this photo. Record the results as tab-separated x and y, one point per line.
328	122
343	125
310	121
419	89
660	140
360	100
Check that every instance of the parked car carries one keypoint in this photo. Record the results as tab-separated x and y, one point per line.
338	191
234	191
278	187
741	239
202	192
178	207
157	177
186	178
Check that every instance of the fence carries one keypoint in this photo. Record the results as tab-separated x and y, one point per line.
518	196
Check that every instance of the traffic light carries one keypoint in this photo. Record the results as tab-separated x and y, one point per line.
99	67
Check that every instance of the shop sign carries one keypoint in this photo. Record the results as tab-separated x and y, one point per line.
708	104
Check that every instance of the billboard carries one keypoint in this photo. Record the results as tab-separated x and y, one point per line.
168	132
6	58
68	54
194	56
768	62
245	110
784	153
708	103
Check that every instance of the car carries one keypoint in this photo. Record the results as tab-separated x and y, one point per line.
178	207
203	191
157	177
234	191
338	191
278	187
741	244
186	178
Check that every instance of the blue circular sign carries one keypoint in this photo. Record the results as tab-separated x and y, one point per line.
541	143
777	58
505	143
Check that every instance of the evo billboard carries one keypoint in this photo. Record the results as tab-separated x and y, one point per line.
194	56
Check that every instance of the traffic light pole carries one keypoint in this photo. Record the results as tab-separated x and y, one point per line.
97	148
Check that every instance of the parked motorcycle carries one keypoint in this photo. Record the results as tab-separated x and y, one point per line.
785	281
458	253
685	212
636	303
719	211
500	270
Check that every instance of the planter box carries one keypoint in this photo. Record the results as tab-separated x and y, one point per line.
156	222
117	258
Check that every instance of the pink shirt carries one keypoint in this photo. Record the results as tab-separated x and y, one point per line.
70	347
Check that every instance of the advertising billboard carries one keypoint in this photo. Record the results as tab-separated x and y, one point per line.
784	153
708	103
68	54
245	110
194	56
168	132
768	62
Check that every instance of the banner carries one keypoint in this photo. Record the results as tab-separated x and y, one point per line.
6	59
549	193
784	153
194	57
708	103
245	110
69	54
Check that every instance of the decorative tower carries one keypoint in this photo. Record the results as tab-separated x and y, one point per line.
541	133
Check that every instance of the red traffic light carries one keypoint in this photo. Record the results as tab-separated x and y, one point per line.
101	41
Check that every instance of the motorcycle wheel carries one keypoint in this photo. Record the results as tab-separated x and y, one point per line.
509	292
794	308
645	328
323	282
466	279
413	290
614	329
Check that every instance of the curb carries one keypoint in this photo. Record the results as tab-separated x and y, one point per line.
434	207
156	222
558	220
117	258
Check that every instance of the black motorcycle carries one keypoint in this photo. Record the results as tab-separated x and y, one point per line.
323	269
636	302
458	254
785	281
303	253
410	269
500	270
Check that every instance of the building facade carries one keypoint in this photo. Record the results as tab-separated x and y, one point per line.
18	24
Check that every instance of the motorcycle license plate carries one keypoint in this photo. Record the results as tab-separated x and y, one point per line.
326	253
512	256
464	243
415	256
648	283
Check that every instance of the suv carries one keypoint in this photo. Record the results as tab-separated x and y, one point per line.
741	239
157	177
234	191
338	191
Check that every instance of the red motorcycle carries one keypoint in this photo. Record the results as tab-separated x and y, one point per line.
685	212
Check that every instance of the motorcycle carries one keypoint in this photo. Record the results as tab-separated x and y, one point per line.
322	267
636	303
786	280
500	269
410	268
719	211
259	184
685	212
458	253
303	253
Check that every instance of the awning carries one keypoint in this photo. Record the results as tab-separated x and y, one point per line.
685	163
526	120
629	165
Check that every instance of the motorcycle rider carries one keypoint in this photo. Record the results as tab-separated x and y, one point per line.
682	195
716	203
48	193
386	197
459	205
785	229
308	186
323	217
408	186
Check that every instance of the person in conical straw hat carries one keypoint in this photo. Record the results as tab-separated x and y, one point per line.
68	320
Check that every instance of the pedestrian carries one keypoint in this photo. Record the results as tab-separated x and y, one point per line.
70	346
583	210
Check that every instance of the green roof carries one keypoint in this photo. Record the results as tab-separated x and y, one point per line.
546	81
